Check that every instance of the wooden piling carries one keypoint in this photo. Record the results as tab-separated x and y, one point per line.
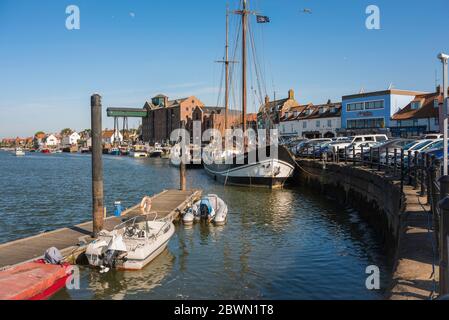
97	166
182	166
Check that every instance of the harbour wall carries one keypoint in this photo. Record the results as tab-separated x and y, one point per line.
400	217
378	200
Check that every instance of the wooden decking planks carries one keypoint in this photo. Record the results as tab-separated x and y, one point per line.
166	205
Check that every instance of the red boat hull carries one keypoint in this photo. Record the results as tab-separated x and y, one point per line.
33	281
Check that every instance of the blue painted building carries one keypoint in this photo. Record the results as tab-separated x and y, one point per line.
372	112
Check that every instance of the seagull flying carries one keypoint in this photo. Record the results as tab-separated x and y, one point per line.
308	11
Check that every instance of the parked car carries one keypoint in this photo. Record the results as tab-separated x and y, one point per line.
308	147
433	136
356	148
381	150
357	139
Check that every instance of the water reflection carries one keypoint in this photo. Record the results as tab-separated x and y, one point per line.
118	285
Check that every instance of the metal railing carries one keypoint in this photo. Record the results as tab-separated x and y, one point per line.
419	170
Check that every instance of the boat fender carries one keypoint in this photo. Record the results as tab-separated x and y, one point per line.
145	205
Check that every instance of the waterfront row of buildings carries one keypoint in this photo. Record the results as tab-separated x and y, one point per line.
396	112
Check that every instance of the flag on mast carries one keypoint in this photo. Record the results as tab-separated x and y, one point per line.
263	19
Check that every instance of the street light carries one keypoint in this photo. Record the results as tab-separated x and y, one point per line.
444	59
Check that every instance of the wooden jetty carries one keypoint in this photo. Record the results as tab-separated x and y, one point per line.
71	241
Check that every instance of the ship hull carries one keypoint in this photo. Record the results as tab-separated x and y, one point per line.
269	173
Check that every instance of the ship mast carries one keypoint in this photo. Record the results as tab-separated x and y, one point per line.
227	70
244	14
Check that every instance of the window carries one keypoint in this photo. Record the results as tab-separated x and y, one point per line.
355	106
318	124
436	104
416	105
321	110
437	121
372	105
304	125
329	123
366	123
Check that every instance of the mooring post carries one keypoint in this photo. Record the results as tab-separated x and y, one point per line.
409	167
402	171
395	161
182	166
97	165
434	200
444	245
423	176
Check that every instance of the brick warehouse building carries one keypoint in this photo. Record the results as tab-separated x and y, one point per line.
165	116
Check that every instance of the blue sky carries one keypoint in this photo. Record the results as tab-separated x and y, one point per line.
129	51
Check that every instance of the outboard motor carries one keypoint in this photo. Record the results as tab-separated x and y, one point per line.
206	210
53	256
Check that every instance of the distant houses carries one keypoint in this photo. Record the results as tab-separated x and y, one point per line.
312	121
110	137
70	139
51	141
271	112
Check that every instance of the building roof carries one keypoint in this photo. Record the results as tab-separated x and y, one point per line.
310	111
276	104
384	92
107	134
427	109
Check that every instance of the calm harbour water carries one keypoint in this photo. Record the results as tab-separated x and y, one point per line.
283	244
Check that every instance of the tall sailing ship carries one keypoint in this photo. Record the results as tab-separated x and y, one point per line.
249	166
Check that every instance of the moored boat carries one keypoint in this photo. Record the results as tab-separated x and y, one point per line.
36	280
157	151
272	172
211	209
19	152
138	152
131	245
114	152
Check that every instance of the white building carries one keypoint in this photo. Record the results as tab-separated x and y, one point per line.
419	117
109	137
310	121
51	141
71	139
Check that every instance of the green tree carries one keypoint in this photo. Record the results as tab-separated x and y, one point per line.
66	132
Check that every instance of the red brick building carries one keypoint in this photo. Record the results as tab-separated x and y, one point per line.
165	116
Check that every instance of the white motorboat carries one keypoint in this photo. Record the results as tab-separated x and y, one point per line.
192	214
131	245
211	208
19	152
157	151
138	152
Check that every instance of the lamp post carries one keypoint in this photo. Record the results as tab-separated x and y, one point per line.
444	60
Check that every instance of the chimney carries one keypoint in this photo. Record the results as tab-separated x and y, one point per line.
291	94
267	99
165	101
329	101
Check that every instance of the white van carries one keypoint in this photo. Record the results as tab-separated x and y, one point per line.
372	138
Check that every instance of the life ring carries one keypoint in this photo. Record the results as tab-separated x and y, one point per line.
146	204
